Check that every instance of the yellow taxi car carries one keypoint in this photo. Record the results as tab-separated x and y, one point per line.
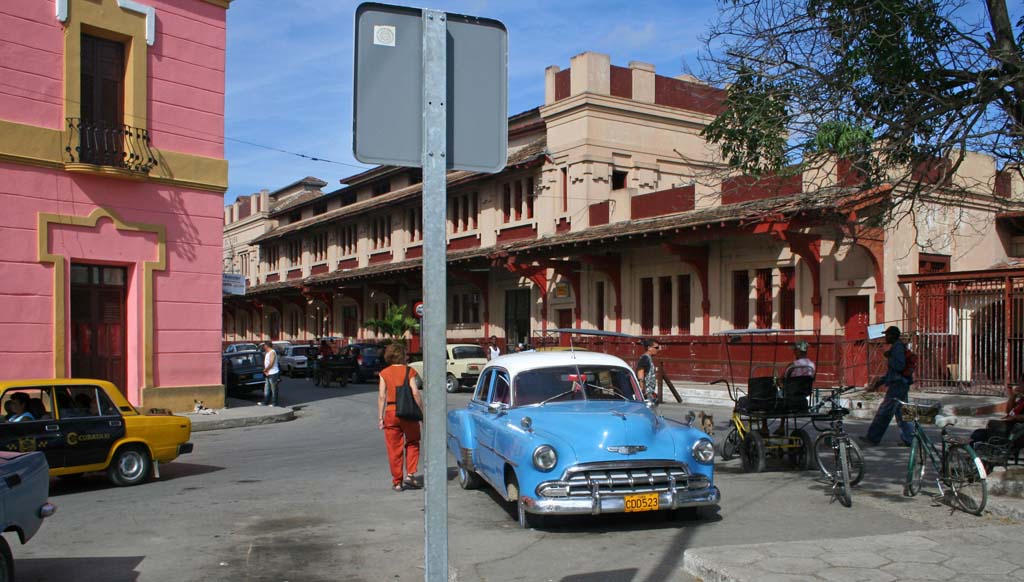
87	425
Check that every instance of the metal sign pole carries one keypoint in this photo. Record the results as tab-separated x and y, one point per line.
435	273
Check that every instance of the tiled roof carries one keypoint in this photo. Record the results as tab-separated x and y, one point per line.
528	153
293	201
743	213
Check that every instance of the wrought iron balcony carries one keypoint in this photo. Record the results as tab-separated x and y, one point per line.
104	144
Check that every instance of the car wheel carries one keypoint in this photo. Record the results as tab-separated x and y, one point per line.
469	479
451	384
354	378
526	519
6	562
130	466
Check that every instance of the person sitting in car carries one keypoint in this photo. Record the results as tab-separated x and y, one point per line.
19	408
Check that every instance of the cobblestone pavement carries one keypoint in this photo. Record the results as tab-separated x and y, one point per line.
978	554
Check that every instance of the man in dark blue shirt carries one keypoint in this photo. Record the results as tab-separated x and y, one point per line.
897	388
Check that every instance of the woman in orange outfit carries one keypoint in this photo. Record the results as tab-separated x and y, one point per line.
400	435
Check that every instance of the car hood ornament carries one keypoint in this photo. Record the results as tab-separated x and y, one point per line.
627	449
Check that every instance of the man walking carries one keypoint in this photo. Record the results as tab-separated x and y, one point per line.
272	374
897	388
646	371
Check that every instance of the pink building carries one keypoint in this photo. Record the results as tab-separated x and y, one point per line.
111	184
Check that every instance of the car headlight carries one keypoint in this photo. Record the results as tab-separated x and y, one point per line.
703	451
545	458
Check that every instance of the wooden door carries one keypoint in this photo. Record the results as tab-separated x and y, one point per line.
564	322
856	321
98	323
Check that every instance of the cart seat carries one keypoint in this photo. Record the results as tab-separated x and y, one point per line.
762	395
795	391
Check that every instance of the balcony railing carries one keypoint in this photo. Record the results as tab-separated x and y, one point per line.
104	144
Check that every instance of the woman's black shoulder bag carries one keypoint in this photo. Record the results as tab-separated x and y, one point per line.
405	405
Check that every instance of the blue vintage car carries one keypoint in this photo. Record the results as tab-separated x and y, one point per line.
570	433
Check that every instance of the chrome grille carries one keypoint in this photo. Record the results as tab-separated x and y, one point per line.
628	480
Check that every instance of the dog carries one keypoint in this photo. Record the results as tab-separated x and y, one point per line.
200	408
706	423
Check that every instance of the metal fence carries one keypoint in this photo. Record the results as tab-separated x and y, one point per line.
968	331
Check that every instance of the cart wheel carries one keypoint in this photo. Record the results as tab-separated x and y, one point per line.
803	457
752	452
730	445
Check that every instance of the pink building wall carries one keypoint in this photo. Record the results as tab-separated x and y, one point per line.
185	71
185	84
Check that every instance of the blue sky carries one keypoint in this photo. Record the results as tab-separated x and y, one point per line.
289	69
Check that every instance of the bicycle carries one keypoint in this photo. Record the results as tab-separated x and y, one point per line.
956	464
839	458
731	443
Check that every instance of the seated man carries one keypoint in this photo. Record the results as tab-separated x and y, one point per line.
802	365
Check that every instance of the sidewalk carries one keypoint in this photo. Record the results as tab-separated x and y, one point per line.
240	413
979	555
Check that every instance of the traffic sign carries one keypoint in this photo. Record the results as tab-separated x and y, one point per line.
388	89
417	309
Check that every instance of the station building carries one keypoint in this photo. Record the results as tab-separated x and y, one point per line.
613	213
112	176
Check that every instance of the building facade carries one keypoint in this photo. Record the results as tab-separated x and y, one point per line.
112	161
614	213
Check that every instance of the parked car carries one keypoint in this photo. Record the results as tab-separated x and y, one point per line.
297	360
369	360
464	364
280	346
87	425
242	372
243	347
24	489
559	436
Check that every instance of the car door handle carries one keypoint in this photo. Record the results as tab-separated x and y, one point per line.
115	423
52	427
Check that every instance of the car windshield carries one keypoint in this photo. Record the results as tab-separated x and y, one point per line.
369	351
565	383
243	347
246	360
468	352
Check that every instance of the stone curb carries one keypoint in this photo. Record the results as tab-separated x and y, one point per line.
204	423
1006	509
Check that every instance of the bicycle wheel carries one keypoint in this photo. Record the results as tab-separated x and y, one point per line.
967	479
730	445
825	458
752	452
915	468
842	479
824	455
801	457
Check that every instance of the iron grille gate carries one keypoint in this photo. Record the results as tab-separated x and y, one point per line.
968	332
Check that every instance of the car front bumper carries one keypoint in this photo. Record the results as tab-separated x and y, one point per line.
597	505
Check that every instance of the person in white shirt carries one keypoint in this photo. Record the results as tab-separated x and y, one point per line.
492	350
802	365
272	373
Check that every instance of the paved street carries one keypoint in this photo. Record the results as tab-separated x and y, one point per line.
309	500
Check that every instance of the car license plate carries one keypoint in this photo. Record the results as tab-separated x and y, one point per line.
257	376
642	502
